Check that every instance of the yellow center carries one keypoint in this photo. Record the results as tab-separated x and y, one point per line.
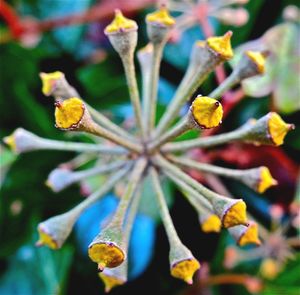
69	113
266	180
46	239
211	224
120	23
250	236
207	112
235	215
221	45
161	16
11	142
110	282
185	270
278	128
259	60
49	80
106	255
269	268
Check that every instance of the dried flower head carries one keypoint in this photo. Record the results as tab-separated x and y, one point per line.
148	152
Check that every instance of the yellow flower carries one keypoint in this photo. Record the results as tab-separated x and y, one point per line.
259	60
269	268
49	80
161	16
266	180
211	224
46	239
106	255
278	128
207	112
110	281
11	141
185	269
221	45
250	235
69	113
235	215
120	23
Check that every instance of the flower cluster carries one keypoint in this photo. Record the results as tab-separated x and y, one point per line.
149	153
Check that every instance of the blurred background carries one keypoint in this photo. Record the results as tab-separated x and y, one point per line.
67	35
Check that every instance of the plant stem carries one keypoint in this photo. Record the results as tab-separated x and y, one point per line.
235	135
163	208
128	64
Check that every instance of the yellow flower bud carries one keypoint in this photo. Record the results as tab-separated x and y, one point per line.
259	60
207	112
110	281
266	180
106	255
46	239
120	23
278	128
161	17
69	113
235	214
185	269
270	268
49	80
211	224
250	235
221	45
11	142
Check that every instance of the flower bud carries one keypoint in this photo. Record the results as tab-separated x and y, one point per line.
221	46
270	268
122	33
55	230
245	235
183	263
22	140
269	130
50	81
259	179
210	223
113	277
231	211
59	178
207	112
159	24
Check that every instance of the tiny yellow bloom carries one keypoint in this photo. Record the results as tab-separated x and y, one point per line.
120	23
278	128
69	113
49	80
235	215
211	224
185	269
207	112
266	180
259	60
161	16
270	268
106	255
221	45
11	141
110	282
46	239
250	236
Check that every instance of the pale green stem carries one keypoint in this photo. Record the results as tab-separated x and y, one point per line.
98	130
188	163
153	87
163	163
133	182
164	211
183	126
105	188
205	142
49	144
79	160
195	199
226	85
80	175
128	64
